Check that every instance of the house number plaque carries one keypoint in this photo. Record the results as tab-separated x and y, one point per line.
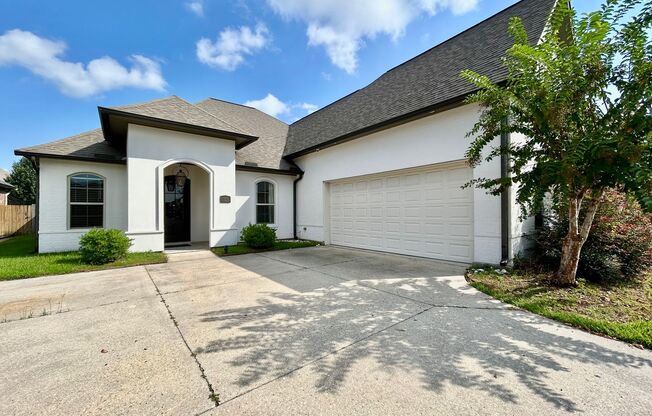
225	199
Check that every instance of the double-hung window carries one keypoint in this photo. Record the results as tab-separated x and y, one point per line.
265	203
86	201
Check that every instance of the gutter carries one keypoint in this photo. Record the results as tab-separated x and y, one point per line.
37	205
294	204
505	203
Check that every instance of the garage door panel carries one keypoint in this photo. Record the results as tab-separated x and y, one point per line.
423	213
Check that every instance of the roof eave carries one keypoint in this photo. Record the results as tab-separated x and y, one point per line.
396	121
26	153
259	169
107	114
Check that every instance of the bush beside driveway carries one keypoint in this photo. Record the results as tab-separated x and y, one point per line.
19	261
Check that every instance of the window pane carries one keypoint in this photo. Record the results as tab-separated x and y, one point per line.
95	195
86	216
78	181
95	183
78	195
86	188
265	193
265	214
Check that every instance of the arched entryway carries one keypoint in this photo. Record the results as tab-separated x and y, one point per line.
186	205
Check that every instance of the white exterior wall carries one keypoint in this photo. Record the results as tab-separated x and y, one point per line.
430	140
521	229
149	152
54	233
246	197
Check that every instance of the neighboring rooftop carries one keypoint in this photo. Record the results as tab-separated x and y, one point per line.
4	185
422	84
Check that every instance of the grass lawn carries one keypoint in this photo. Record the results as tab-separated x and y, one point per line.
18	260
622	311
278	245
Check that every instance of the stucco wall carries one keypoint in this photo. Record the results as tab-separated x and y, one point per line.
246	196
54	234
522	228
149	152
430	140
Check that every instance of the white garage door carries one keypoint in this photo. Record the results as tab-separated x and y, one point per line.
421	212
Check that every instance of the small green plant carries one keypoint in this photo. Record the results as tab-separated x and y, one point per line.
215	398
101	246
258	236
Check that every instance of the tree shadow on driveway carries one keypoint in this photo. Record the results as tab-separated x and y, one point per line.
419	331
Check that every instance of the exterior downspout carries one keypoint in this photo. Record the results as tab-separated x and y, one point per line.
294	204
37	205
505	203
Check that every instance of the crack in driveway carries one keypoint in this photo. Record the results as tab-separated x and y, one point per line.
212	394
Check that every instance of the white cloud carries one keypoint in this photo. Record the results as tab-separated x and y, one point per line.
43	57
341	26
197	7
230	48
270	105
309	108
276	108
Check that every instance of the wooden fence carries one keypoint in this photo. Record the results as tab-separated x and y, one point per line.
17	220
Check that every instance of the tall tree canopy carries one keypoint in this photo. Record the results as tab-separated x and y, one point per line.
579	103
23	177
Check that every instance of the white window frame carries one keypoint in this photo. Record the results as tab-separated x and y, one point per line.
69	203
273	203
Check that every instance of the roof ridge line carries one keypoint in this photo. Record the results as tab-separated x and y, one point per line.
245	106
145	102
219	119
330	104
505	10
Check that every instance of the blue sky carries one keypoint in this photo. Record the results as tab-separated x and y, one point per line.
59	60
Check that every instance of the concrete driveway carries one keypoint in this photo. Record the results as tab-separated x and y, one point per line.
321	330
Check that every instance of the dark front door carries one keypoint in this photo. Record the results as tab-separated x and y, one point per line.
177	210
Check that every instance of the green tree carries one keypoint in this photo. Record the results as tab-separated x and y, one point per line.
23	177
578	104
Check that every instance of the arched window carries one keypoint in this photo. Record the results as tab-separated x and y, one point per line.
265	203
86	200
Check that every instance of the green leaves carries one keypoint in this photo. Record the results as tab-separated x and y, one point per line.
23	177
578	103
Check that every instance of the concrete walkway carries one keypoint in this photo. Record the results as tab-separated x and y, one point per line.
308	331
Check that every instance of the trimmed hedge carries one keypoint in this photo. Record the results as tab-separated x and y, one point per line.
258	236
101	246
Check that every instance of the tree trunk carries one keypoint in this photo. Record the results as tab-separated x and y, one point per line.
570	259
572	244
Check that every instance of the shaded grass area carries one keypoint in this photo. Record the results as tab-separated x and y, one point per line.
18	260
622	311
278	245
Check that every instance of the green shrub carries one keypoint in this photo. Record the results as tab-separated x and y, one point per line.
101	246
619	245
259	236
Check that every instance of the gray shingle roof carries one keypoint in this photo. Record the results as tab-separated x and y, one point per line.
175	109
89	145
267	151
428	80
